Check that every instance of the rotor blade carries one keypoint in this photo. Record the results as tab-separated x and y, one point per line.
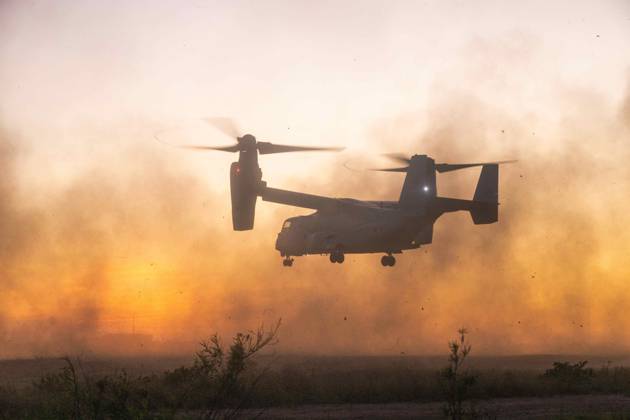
225	125
265	148
447	167
398	156
233	148
404	169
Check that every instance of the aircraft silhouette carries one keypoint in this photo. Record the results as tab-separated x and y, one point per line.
342	226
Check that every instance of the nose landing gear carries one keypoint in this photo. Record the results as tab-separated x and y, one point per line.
337	257
388	260
287	262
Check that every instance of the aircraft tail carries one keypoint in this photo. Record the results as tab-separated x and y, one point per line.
485	208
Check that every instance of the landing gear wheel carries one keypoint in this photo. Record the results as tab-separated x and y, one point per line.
287	262
388	260
337	257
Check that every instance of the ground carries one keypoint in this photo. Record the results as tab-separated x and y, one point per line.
583	406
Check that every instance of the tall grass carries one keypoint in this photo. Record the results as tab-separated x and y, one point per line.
217	385
221	380
458	380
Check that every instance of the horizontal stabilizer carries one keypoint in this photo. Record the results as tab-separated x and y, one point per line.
481	213
484	207
484	213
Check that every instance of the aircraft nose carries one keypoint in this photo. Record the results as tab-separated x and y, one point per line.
281	241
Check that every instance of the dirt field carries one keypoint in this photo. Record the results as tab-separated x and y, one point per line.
509	408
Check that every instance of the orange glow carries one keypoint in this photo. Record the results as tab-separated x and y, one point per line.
106	233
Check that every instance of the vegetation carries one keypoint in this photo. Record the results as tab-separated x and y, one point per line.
458	381
218	385
571	377
223	380
399	380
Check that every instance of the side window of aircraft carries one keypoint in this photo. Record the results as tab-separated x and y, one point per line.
286	225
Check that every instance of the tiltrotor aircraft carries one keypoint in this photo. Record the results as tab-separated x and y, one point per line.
342	226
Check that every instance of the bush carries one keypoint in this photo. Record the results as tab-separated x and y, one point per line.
218	385
458	381
571	377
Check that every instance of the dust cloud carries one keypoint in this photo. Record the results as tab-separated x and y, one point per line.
133	251
142	259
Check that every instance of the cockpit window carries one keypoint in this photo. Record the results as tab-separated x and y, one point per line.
286	225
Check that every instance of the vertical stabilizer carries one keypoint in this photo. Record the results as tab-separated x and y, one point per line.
485	207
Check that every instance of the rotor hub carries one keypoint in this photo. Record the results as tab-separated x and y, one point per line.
247	140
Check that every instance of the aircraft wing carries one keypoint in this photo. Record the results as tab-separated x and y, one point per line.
318	202
297	199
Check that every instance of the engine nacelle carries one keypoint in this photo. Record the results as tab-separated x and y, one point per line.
243	186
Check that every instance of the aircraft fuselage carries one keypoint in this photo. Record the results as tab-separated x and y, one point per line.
385	230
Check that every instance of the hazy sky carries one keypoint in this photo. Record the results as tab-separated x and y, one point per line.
102	224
